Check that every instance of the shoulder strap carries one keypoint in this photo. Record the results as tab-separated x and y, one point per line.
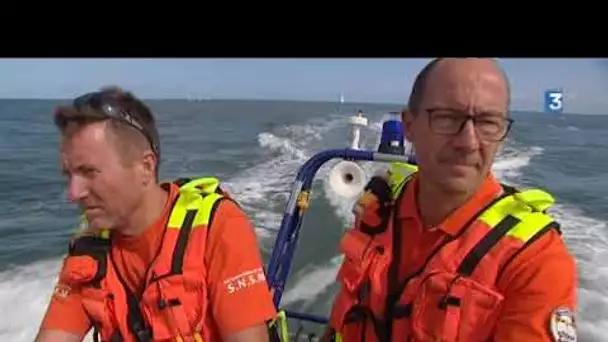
204	185
196	204
520	214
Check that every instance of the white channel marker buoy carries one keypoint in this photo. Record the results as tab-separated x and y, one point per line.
357	122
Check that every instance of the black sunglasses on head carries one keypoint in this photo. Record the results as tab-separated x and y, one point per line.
101	103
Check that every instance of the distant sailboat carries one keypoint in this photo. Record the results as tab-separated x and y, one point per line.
342	98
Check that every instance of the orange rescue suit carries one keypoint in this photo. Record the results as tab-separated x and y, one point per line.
453	298
172	305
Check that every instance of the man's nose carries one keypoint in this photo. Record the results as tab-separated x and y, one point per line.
467	137
77	189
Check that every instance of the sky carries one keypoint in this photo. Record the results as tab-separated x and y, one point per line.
583	81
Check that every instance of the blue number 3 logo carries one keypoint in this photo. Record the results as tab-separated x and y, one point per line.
555	101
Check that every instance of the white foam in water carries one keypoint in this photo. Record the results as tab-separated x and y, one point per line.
272	179
313	280
24	295
284	145
310	285
587	240
510	162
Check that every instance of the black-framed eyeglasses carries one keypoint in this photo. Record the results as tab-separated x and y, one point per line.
489	126
99	102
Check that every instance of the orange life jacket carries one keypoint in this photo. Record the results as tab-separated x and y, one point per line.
172	305
453	298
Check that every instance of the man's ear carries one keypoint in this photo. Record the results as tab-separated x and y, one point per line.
407	119
148	167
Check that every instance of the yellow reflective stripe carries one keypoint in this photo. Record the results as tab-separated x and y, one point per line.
204	214
519	206
499	211
283	326
281	321
105	234
192	200
398	174
84	229
410	168
536	198
337	337
526	205
209	184
396	189
532	224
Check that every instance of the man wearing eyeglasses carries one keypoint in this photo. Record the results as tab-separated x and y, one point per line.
156	261
455	255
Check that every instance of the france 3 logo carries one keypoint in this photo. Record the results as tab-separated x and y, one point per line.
554	101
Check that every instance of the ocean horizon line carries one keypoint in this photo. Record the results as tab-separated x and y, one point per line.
228	99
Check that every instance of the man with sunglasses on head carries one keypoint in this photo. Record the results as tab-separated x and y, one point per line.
156	261
452	254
